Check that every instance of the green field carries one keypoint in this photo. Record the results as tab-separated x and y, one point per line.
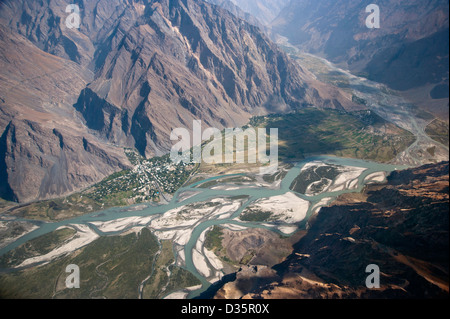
213	239
36	247
160	284
362	135
213	242
438	131
58	209
110	267
255	216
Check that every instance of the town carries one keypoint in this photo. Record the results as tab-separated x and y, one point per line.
152	179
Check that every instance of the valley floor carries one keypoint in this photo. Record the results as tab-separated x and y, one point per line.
188	227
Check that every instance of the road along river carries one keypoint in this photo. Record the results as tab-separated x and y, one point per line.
206	207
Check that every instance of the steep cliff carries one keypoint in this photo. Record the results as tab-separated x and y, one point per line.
131	73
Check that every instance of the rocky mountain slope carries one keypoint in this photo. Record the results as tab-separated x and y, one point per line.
401	226
238	12
408	51
131	73
44	149
265	11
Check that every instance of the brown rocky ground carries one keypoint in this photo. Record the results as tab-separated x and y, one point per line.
402	226
258	246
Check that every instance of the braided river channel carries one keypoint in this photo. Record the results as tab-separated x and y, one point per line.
202	195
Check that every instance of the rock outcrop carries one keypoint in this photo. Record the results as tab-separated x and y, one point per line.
401	226
44	149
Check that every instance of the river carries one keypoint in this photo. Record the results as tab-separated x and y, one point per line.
384	102
388	104
205	194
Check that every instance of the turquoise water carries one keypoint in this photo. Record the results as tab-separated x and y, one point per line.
205	195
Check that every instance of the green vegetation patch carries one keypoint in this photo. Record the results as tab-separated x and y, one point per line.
256	216
239	179
438	131
133	156
166	277
245	260
213	242
274	177
110	267
362	134
36	247
59	209
180	278
213	239
427	116
158	280
208	184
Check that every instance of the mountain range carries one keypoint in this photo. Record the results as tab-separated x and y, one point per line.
409	52
132	72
